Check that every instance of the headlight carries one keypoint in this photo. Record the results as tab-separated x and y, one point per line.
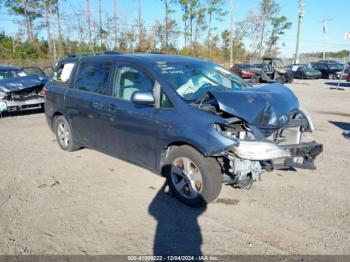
253	150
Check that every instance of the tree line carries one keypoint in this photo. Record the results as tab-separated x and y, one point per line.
195	34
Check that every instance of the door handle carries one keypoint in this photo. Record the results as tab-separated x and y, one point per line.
111	107
97	104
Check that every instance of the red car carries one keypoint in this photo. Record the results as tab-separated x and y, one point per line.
348	78
243	70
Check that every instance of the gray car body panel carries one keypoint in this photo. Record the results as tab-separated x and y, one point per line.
250	104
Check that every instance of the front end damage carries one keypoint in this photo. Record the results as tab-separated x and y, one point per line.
267	137
21	93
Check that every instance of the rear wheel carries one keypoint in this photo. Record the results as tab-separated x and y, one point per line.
331	76
64	134
192	178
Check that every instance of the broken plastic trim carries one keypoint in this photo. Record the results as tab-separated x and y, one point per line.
306	114
255	150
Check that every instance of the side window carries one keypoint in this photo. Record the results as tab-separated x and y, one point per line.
63	73
165	101
129	80
93	77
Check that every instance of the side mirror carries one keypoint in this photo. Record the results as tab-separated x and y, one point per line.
143	98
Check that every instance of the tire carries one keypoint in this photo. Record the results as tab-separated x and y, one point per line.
331	77
281	80
205	184
64	134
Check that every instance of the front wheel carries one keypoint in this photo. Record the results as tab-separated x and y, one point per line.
194	179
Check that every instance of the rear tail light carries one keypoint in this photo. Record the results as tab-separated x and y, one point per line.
44	92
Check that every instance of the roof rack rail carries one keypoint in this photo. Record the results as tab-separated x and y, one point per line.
94	54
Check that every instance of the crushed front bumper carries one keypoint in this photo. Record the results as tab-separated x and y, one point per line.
302	156
13	105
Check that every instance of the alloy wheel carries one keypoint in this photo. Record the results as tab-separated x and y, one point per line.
186	177
63	134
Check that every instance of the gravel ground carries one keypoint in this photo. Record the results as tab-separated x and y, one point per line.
53	202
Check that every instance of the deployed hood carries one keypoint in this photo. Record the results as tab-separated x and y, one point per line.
268	105
21	83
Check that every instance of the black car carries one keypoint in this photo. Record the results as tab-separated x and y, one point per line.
190	120
304	71
329	70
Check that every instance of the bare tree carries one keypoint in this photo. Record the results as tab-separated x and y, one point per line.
267	9
47	22
115	27
168	22
28	9
215	10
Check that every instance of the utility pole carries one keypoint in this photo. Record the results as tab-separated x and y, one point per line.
140	25
89	23
300	19
231	31
325	39
115	24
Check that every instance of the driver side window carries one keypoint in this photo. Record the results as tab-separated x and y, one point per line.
129	80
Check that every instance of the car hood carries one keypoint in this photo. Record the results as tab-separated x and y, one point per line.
21	83
259	104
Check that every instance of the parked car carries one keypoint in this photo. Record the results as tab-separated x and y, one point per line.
33	70
190	120
329	70
19	91
348	77
304	71
243	70
272	70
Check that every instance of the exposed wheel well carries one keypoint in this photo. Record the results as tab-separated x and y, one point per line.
166	151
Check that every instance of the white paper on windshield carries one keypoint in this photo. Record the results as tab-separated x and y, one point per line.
66	71
294	68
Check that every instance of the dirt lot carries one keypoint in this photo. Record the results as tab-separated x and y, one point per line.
53	202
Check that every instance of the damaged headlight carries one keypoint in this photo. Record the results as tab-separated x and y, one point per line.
254	150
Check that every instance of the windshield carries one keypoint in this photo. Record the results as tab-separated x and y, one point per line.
335	66
192	81
11	73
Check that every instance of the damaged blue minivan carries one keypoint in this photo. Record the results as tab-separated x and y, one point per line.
190	120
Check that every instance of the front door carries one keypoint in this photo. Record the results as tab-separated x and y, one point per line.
133	129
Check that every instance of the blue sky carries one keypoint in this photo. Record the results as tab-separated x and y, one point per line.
311	37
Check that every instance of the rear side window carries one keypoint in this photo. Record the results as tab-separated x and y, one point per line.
93	77
64	73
